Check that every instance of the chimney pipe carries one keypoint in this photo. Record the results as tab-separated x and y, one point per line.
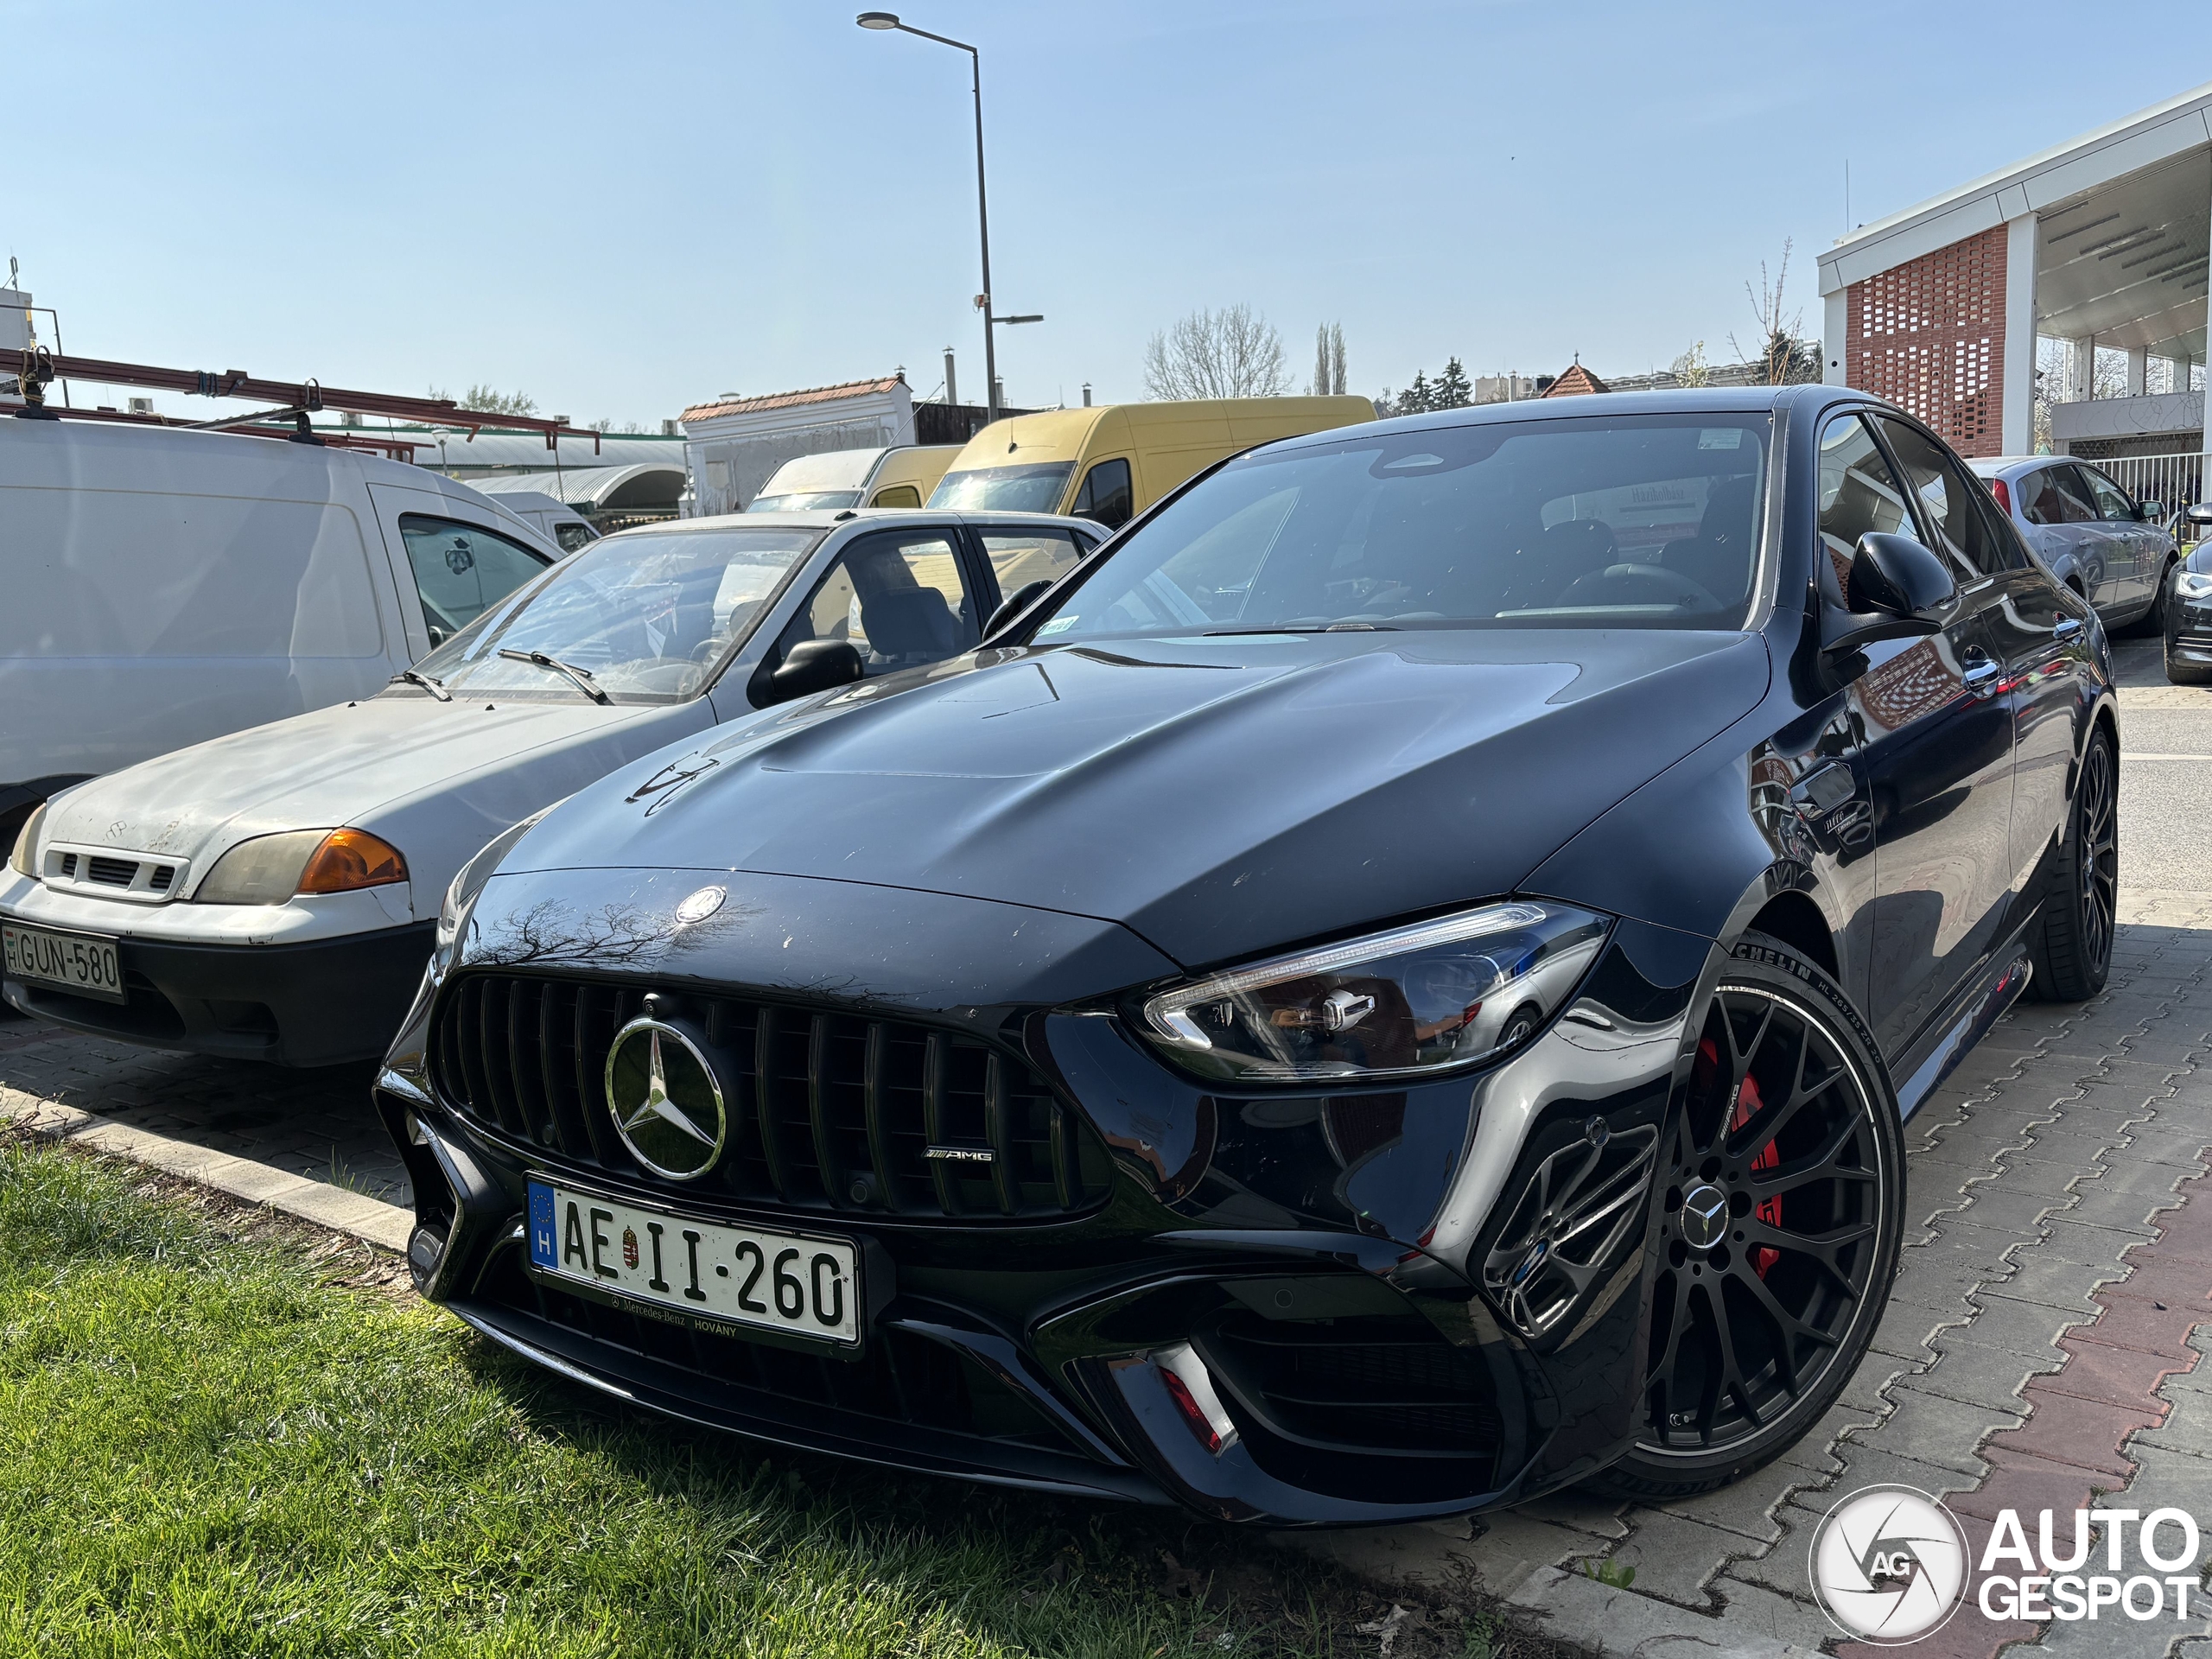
951	384
1086	394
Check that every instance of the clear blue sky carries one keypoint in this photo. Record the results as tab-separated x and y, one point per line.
624	209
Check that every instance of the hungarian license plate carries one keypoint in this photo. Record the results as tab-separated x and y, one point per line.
83	962
800	1285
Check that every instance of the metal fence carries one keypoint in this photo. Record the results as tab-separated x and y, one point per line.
2173	480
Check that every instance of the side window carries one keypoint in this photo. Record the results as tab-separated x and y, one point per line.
1019	558
1859	493
2112	504
2067	497
572	536
462	571
2039	500
1950	501
1106	495
898	598
897	495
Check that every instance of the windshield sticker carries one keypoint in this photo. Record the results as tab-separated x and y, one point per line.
1721	437
1057	625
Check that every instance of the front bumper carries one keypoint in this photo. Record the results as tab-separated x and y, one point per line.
314	1003
1330	1263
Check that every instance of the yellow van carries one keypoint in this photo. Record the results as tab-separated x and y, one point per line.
1110	462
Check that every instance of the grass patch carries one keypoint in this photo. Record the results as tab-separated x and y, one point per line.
224	1434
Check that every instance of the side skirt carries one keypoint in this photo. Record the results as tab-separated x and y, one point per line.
1966	1023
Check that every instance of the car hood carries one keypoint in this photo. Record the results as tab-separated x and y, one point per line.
365	764
1217	796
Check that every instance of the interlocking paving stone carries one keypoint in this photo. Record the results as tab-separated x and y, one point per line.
316	1124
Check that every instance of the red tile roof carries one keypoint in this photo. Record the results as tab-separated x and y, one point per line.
792	399
1577	382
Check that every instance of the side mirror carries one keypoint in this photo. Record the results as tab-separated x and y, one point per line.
1014	604
1896	586
2149	511
2199	514
815	666
1896	577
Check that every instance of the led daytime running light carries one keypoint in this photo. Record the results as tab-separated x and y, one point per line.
1405	1003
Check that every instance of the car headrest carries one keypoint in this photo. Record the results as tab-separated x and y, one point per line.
1576	547
1719	557
908	622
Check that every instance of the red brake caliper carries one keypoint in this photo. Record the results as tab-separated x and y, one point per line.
1748	1103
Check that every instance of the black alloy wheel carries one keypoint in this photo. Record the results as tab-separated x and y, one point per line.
1780	1195
2072	956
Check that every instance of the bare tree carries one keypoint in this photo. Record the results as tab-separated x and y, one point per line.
1785	356
490	401
1691	369
1329	360
1232	352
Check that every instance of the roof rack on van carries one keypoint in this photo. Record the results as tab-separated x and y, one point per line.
36	368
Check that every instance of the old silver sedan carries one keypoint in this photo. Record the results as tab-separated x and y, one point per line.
2089	533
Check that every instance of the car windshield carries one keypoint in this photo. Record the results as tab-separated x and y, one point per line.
645	617
804	501
1034	487
1640	521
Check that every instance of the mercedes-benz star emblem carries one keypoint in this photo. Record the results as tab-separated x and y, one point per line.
666	1103
1705	1215
697	906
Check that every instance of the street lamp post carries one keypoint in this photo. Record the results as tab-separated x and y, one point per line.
890	20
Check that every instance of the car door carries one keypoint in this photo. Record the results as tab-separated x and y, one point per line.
902	597
421	530
1019	554
2106	562
1107	495
2130	536
1937	749
2044	509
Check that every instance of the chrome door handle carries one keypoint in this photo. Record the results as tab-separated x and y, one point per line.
1981	678
2067	627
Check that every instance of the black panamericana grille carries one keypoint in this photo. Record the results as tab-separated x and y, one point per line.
829	1111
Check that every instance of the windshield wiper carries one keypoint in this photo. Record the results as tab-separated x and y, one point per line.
576	677
430	683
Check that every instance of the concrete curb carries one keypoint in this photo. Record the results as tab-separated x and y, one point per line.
373	1221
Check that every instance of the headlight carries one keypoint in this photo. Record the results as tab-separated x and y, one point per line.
461	896
1404	1003
270	869
23	858
2190	585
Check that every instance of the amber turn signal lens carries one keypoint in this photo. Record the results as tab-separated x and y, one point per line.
352	858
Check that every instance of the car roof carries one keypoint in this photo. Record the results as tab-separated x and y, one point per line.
830	519
1701	400
1990	466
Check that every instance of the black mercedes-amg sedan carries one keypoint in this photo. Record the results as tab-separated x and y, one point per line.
1390	987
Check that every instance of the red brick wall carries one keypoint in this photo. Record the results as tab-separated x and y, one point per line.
1929	336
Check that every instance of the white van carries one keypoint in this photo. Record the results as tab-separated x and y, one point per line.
552	518
900	476
161	586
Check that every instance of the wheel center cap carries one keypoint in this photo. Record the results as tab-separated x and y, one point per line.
1705	1215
